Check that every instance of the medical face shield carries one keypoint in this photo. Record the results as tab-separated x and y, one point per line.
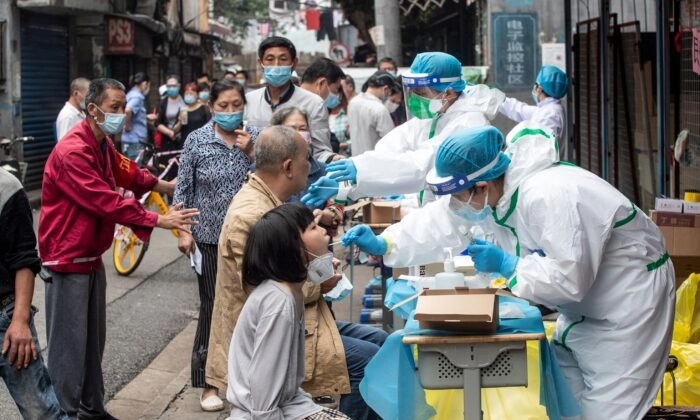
424	93
456	183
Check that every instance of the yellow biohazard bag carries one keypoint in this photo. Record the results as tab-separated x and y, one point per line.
522	403
686	347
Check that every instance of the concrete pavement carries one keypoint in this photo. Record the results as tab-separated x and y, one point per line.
163	390
162	252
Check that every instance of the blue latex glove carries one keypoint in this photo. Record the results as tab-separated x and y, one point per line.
320	191
342	170
363	237
488	258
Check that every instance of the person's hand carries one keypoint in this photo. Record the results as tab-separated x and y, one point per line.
243	142
320	191
337	157
165	187
488	258
329	284
365	239
18	344
151	118
342	170
185	243
177	218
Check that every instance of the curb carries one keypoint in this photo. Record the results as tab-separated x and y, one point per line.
150	393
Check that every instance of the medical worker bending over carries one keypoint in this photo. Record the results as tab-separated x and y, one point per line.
442	103
568	240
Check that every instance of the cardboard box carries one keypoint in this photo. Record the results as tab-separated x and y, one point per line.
662	218
381	212
425	270
684	267
668	204
681	232
691	207
460	309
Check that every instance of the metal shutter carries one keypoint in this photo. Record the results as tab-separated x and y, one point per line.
45	86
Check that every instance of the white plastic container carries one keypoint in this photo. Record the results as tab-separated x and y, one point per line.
450	278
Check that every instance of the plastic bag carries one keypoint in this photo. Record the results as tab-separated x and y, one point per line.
685	346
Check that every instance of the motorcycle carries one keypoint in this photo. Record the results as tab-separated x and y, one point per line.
12	156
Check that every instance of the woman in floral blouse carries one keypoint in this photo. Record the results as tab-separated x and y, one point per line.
213	167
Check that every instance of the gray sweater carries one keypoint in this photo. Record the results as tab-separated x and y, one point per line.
266	358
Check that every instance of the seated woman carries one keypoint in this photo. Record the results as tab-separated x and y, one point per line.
266	358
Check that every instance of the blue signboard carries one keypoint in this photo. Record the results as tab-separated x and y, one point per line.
514	50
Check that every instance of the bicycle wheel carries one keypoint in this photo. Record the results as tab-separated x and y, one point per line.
128	250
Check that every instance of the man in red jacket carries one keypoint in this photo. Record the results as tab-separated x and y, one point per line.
79	208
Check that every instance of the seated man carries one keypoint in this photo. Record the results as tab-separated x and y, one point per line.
336	352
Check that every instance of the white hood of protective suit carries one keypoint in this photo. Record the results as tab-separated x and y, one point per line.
479	98
531	148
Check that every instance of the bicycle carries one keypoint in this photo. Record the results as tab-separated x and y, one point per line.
128	250
12	158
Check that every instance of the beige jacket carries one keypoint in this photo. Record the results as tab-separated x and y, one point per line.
325	369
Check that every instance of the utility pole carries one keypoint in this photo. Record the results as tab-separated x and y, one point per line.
386	14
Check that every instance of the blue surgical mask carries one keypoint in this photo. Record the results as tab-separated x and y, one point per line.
228	121
332	100
173	92
469	213
534	94
204	96
277	75
190	99
113	123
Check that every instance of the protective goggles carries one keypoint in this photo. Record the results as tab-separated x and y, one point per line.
455	183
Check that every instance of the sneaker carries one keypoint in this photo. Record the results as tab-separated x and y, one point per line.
211	403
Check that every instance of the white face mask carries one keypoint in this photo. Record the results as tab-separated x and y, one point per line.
321	268
306	135
391	105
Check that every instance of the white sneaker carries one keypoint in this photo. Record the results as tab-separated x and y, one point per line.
211	403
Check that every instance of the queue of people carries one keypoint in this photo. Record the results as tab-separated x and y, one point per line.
255	197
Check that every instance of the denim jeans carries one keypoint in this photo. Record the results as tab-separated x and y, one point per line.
131	150
361	343
30	387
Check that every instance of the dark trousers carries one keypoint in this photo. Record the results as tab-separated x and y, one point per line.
207	286
75	327
361	343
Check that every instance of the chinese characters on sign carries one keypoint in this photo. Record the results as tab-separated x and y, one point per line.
514	49
696	51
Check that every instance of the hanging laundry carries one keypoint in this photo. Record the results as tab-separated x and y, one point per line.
326	27
313	20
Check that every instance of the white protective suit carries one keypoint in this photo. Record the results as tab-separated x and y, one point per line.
401	160
585	249
548	112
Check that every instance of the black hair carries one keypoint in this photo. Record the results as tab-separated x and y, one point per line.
349	80
203	86
205	74
381	78
222	86
173	76
98	88
139	78
387	60
274	249
322	67
231	72
277	41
